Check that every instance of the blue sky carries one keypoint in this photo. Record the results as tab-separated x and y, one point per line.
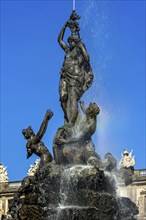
31	59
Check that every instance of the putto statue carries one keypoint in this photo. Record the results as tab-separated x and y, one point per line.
74	145
34	143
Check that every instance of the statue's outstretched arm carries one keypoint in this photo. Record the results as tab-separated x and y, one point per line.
43	126
60	39
82	105
84	51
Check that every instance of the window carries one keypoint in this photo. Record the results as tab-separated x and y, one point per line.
143	173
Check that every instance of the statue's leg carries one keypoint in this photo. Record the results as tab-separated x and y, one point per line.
63	97
72	105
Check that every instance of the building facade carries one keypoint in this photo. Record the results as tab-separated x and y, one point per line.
7	191
136	191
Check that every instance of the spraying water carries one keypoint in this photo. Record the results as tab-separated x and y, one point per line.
74	5
68	183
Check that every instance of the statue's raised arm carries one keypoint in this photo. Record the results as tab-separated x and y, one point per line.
34	143
43	126
60	38
76	73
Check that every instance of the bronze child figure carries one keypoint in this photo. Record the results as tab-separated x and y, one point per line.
34	143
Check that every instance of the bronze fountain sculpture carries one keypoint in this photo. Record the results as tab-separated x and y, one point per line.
74	184
34	143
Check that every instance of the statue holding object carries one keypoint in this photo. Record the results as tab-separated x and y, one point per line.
76	73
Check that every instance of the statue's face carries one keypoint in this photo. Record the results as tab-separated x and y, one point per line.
72	43
28	132
108	155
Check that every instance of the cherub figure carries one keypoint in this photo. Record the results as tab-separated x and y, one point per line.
89	124
34	143
36	146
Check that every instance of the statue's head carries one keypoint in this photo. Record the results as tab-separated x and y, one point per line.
92	110
126	153
107	155
28	132
73	40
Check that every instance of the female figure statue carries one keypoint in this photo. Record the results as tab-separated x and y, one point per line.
76	73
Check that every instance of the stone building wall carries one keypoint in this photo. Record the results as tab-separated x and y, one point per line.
136	192
7	190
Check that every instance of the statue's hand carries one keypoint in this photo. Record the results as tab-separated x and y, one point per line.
49	114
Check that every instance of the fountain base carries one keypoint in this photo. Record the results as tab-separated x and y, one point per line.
73	193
